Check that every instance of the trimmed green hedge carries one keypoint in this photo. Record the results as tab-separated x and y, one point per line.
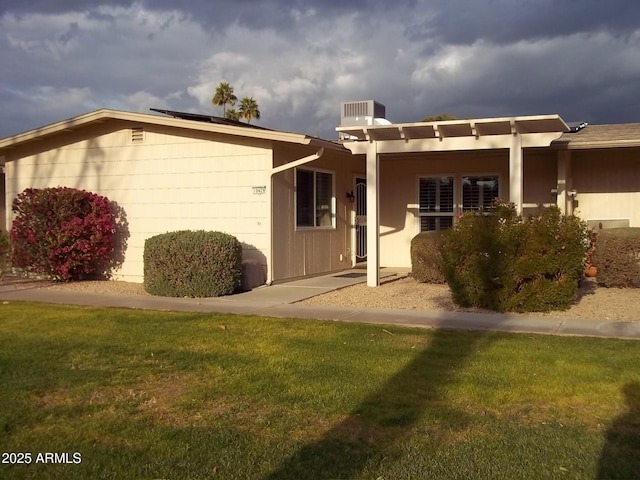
192	264
617	257
426	259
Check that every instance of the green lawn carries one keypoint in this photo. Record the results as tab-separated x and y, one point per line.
157	395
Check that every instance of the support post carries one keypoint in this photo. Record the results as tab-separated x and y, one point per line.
516	173
373	216
564	201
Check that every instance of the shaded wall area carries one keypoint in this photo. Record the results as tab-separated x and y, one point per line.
300	251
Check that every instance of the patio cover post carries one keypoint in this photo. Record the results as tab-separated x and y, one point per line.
516	172
373	215
564	182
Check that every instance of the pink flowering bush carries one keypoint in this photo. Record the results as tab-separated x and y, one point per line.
62	232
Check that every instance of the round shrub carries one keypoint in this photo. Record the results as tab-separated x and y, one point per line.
498	261
192	264
617	257
62	232
426	260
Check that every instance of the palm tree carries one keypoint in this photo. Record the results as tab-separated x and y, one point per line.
249	109
224	94
232	114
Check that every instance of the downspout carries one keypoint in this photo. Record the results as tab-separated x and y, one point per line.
275	170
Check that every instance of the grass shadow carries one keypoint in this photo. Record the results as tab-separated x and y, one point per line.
620	456
377	427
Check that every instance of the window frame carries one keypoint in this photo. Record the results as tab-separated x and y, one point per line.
477	175
458	195
437	213
332	206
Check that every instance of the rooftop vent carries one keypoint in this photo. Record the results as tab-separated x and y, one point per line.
137	135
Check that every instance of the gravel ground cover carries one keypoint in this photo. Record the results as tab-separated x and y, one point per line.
403	292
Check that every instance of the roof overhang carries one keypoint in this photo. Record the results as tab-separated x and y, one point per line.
451	135
104	115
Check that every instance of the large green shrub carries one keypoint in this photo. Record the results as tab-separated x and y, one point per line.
62	232
426	259
192	264
617	257
499	261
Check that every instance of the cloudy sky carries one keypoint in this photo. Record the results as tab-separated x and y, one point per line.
300	59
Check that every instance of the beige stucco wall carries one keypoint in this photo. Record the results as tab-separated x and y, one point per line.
308	251
540	178
607	182
168	182
399	176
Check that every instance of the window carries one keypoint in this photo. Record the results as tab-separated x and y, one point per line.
439	201
436	205
479	192
314	199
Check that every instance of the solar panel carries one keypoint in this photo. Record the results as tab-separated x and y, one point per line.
197	117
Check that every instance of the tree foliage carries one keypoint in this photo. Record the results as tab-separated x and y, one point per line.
439	118
249	109
232	114
224	96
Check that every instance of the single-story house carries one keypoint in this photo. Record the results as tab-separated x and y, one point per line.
305	206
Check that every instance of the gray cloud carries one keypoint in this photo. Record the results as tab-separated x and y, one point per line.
300	59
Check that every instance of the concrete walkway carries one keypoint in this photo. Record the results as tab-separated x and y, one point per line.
280	301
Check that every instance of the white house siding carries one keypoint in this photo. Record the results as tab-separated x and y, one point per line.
607	182
167	182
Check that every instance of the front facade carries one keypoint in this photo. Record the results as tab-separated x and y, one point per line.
169	174
302	206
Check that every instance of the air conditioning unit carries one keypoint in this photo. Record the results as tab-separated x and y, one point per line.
361	113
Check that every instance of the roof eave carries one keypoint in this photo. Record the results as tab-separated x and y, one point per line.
573	145
107	114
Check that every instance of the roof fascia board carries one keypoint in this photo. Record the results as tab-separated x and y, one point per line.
104	115
572	145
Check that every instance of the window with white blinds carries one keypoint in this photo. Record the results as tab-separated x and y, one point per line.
315	206
436	203
479	192
439	200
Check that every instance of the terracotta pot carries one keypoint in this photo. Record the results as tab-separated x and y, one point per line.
590	271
